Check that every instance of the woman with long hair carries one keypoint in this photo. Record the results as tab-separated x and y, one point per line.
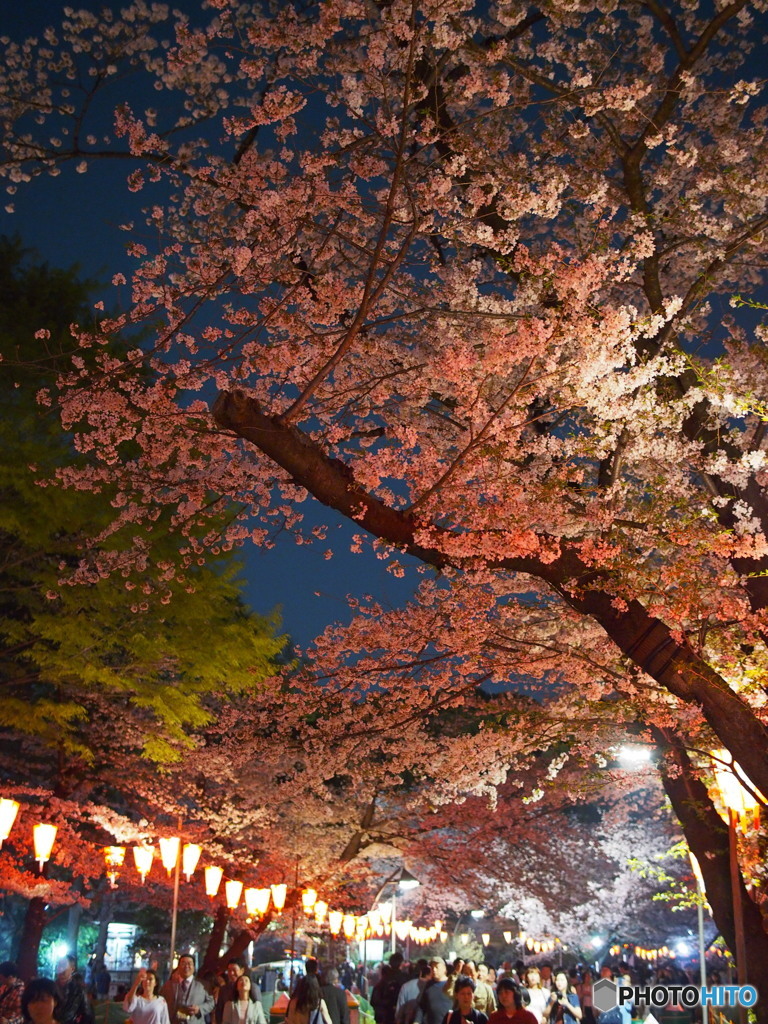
307	1005
40	1002
563	1006
242	1009
143	1001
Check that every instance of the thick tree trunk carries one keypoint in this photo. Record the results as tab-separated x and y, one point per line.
105	919
707	836
74	914
32	932
216	939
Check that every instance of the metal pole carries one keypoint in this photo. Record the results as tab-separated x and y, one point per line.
393	937
175	912
293	925
702	953
738	917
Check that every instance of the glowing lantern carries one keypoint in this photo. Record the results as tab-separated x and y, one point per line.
114	857
190	855
486	938
385	909
335	918
374	918
402	928
44	837
736	791
233	892
279	892
348	925
438	925
321	909
508	938
261	901
522	936
443	936
142	858
529	942
8	811
169	853
308	900
213	875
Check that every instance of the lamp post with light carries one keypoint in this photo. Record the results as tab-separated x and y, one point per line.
404	880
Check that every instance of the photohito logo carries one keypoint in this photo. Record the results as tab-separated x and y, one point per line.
606	995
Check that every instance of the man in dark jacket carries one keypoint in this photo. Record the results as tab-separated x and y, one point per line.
74	1005
335	997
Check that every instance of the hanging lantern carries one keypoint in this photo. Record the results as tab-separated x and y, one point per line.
522	936
335	918
443	936
213	875
402	928
308	900
385	909
348	925
251	896
361	926
169	853
261	901
114	857
233	892
142	858
529	943
190	855
321	909
8	811
486	938
374	919
508	938
44	837
279	892
735	789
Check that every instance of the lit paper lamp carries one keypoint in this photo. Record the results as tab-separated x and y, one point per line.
44	837
443	936
385	910
279	892
213	875
308	900
402	929
349	925
251	896
8	811
114	857
321	909
486	937
438	925
233	892
508	938
261	901
730	781
169	853
142	858
374	919
190	855
335	918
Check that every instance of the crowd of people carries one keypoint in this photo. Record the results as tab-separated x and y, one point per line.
429	991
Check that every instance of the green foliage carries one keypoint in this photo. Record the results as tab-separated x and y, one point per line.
672	888
154	664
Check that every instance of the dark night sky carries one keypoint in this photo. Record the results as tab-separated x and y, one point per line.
73	219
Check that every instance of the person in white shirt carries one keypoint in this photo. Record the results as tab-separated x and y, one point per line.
149	1007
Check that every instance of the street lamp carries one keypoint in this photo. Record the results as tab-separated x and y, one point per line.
404	880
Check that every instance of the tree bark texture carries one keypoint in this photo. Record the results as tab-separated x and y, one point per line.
32	932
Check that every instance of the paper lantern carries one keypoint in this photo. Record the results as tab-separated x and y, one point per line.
348	925
213	875
279	892
142	858
402	928
114	857
233	892
8	811
190	855
44	837
385	910
261	901
335	918
308	900
321	909
169	853
486	938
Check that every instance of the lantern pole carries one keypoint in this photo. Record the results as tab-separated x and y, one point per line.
293	925
175	911
738	912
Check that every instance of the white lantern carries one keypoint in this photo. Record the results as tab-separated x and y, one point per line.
8	811
44	837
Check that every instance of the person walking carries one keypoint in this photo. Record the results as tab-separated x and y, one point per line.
334	996
74	1004
242	1009
435	1001
307	1005
188	999
144	1002
511	1009
464	996
11	989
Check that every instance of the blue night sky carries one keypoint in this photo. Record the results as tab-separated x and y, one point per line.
73	219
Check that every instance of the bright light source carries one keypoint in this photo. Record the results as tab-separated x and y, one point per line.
596	942
407	880
477	914
634	756
682	949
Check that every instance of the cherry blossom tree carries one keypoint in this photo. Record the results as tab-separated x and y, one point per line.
470	277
